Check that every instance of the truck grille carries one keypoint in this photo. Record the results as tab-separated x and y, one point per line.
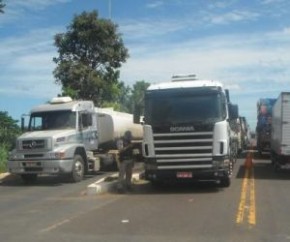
33	144
183	150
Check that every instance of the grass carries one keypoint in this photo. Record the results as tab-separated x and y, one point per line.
3	158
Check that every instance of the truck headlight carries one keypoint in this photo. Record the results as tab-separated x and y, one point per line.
57	155
60	139
14	156
216	163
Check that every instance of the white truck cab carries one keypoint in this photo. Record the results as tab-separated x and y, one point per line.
69	137
187	135
60	134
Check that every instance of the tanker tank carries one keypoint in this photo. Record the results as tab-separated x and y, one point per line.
113	124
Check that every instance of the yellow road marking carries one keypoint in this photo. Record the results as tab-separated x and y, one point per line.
247	202
241	209
252	209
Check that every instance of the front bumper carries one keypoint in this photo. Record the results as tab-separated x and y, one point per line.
213	172
40	166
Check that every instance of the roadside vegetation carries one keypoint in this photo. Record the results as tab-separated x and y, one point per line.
9	130
3	158
2	5
89	57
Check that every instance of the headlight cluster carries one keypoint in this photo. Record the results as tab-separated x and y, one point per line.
57	155
217	163
60	139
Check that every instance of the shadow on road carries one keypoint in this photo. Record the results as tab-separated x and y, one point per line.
145	188
42	181
263	169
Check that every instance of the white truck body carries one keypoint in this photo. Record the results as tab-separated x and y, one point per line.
187	135
69	137
280	134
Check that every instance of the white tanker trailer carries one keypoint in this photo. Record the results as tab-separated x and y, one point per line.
112	125
71	138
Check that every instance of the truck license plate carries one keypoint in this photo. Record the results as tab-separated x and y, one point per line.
184	174
31	164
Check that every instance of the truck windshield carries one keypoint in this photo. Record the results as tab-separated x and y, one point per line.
181	107
52	120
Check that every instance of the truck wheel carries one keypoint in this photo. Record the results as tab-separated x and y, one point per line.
29	178
225	182
77	173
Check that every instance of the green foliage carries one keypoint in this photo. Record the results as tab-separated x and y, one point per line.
90	54
9	130
137	96
2	5
129	99
3	158
116	106
122	97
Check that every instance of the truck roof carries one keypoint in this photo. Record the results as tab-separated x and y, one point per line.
185	84
72	105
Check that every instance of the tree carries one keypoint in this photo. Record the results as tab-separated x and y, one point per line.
9	130
2	5
137	96
129	99
120	98
90	54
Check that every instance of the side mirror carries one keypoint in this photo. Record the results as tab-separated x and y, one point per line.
80	125
23	127
233	111
22	124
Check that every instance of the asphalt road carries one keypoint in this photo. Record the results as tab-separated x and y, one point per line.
254	208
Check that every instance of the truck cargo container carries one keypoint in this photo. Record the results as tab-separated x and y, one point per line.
264	123
280	138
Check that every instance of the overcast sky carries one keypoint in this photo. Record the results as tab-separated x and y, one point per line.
243	43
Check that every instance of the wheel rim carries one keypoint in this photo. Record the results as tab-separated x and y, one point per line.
78	168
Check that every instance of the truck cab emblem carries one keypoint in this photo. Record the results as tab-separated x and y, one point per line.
182	129
32	145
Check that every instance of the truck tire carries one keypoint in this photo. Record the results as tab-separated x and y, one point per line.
78	169
225	182
29	178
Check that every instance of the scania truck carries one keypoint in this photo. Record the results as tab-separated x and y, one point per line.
187	133
70	137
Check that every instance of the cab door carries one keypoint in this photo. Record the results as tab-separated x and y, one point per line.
88	130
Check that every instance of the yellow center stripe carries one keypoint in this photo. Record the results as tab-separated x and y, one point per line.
252	209
247	200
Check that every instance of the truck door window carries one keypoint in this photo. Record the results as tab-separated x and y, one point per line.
86	120
36	123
